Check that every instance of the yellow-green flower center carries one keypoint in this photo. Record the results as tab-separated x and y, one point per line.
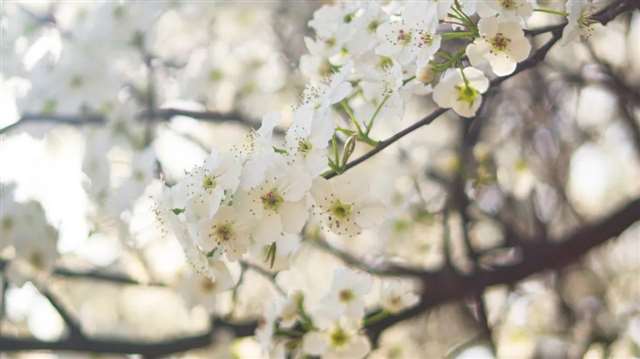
499	43
209	182
339	337
373	26
467	94
341	210
304	146
215	75
385	62
404	37
346	295
271	200
223	232
426	39
36	260
508	4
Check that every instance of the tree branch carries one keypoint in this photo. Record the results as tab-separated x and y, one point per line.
122	346
603	16
538	257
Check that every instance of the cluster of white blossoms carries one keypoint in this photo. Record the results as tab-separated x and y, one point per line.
25	232
366	60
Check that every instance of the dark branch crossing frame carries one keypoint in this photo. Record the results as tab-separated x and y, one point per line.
439	286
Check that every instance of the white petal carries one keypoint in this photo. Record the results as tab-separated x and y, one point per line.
501	64
477	79
520	49
268	230
488	26
315	343
371	215
294	215
463	109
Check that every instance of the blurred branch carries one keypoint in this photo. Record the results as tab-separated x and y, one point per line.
76	120
446	286
160	115
166	114
93	275
270	276
73	326
383	270
628	96
123	346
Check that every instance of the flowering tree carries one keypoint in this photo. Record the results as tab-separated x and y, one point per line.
185	225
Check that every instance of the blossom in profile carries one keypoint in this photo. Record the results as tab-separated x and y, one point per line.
505	9
579	21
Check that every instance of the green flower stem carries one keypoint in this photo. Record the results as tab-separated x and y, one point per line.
376	317
551	11
458	35
404	82
352	117
375	114
288	333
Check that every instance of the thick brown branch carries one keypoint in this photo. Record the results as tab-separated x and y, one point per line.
542	256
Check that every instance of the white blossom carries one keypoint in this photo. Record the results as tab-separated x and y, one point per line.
405	40
579	22
501	43
345	205
207	185
505	9
396	296
339	340
463	94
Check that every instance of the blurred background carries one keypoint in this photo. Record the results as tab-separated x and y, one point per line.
100	101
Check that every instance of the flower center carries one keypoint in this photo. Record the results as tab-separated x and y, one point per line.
209	182
223	232
207	285
341	210
425	39
373	26
304	146
508	4
499	43
36	260
339	337
385	62
467	94
584	22
330	42
404	37
346	295
215	75
76	81
271	200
